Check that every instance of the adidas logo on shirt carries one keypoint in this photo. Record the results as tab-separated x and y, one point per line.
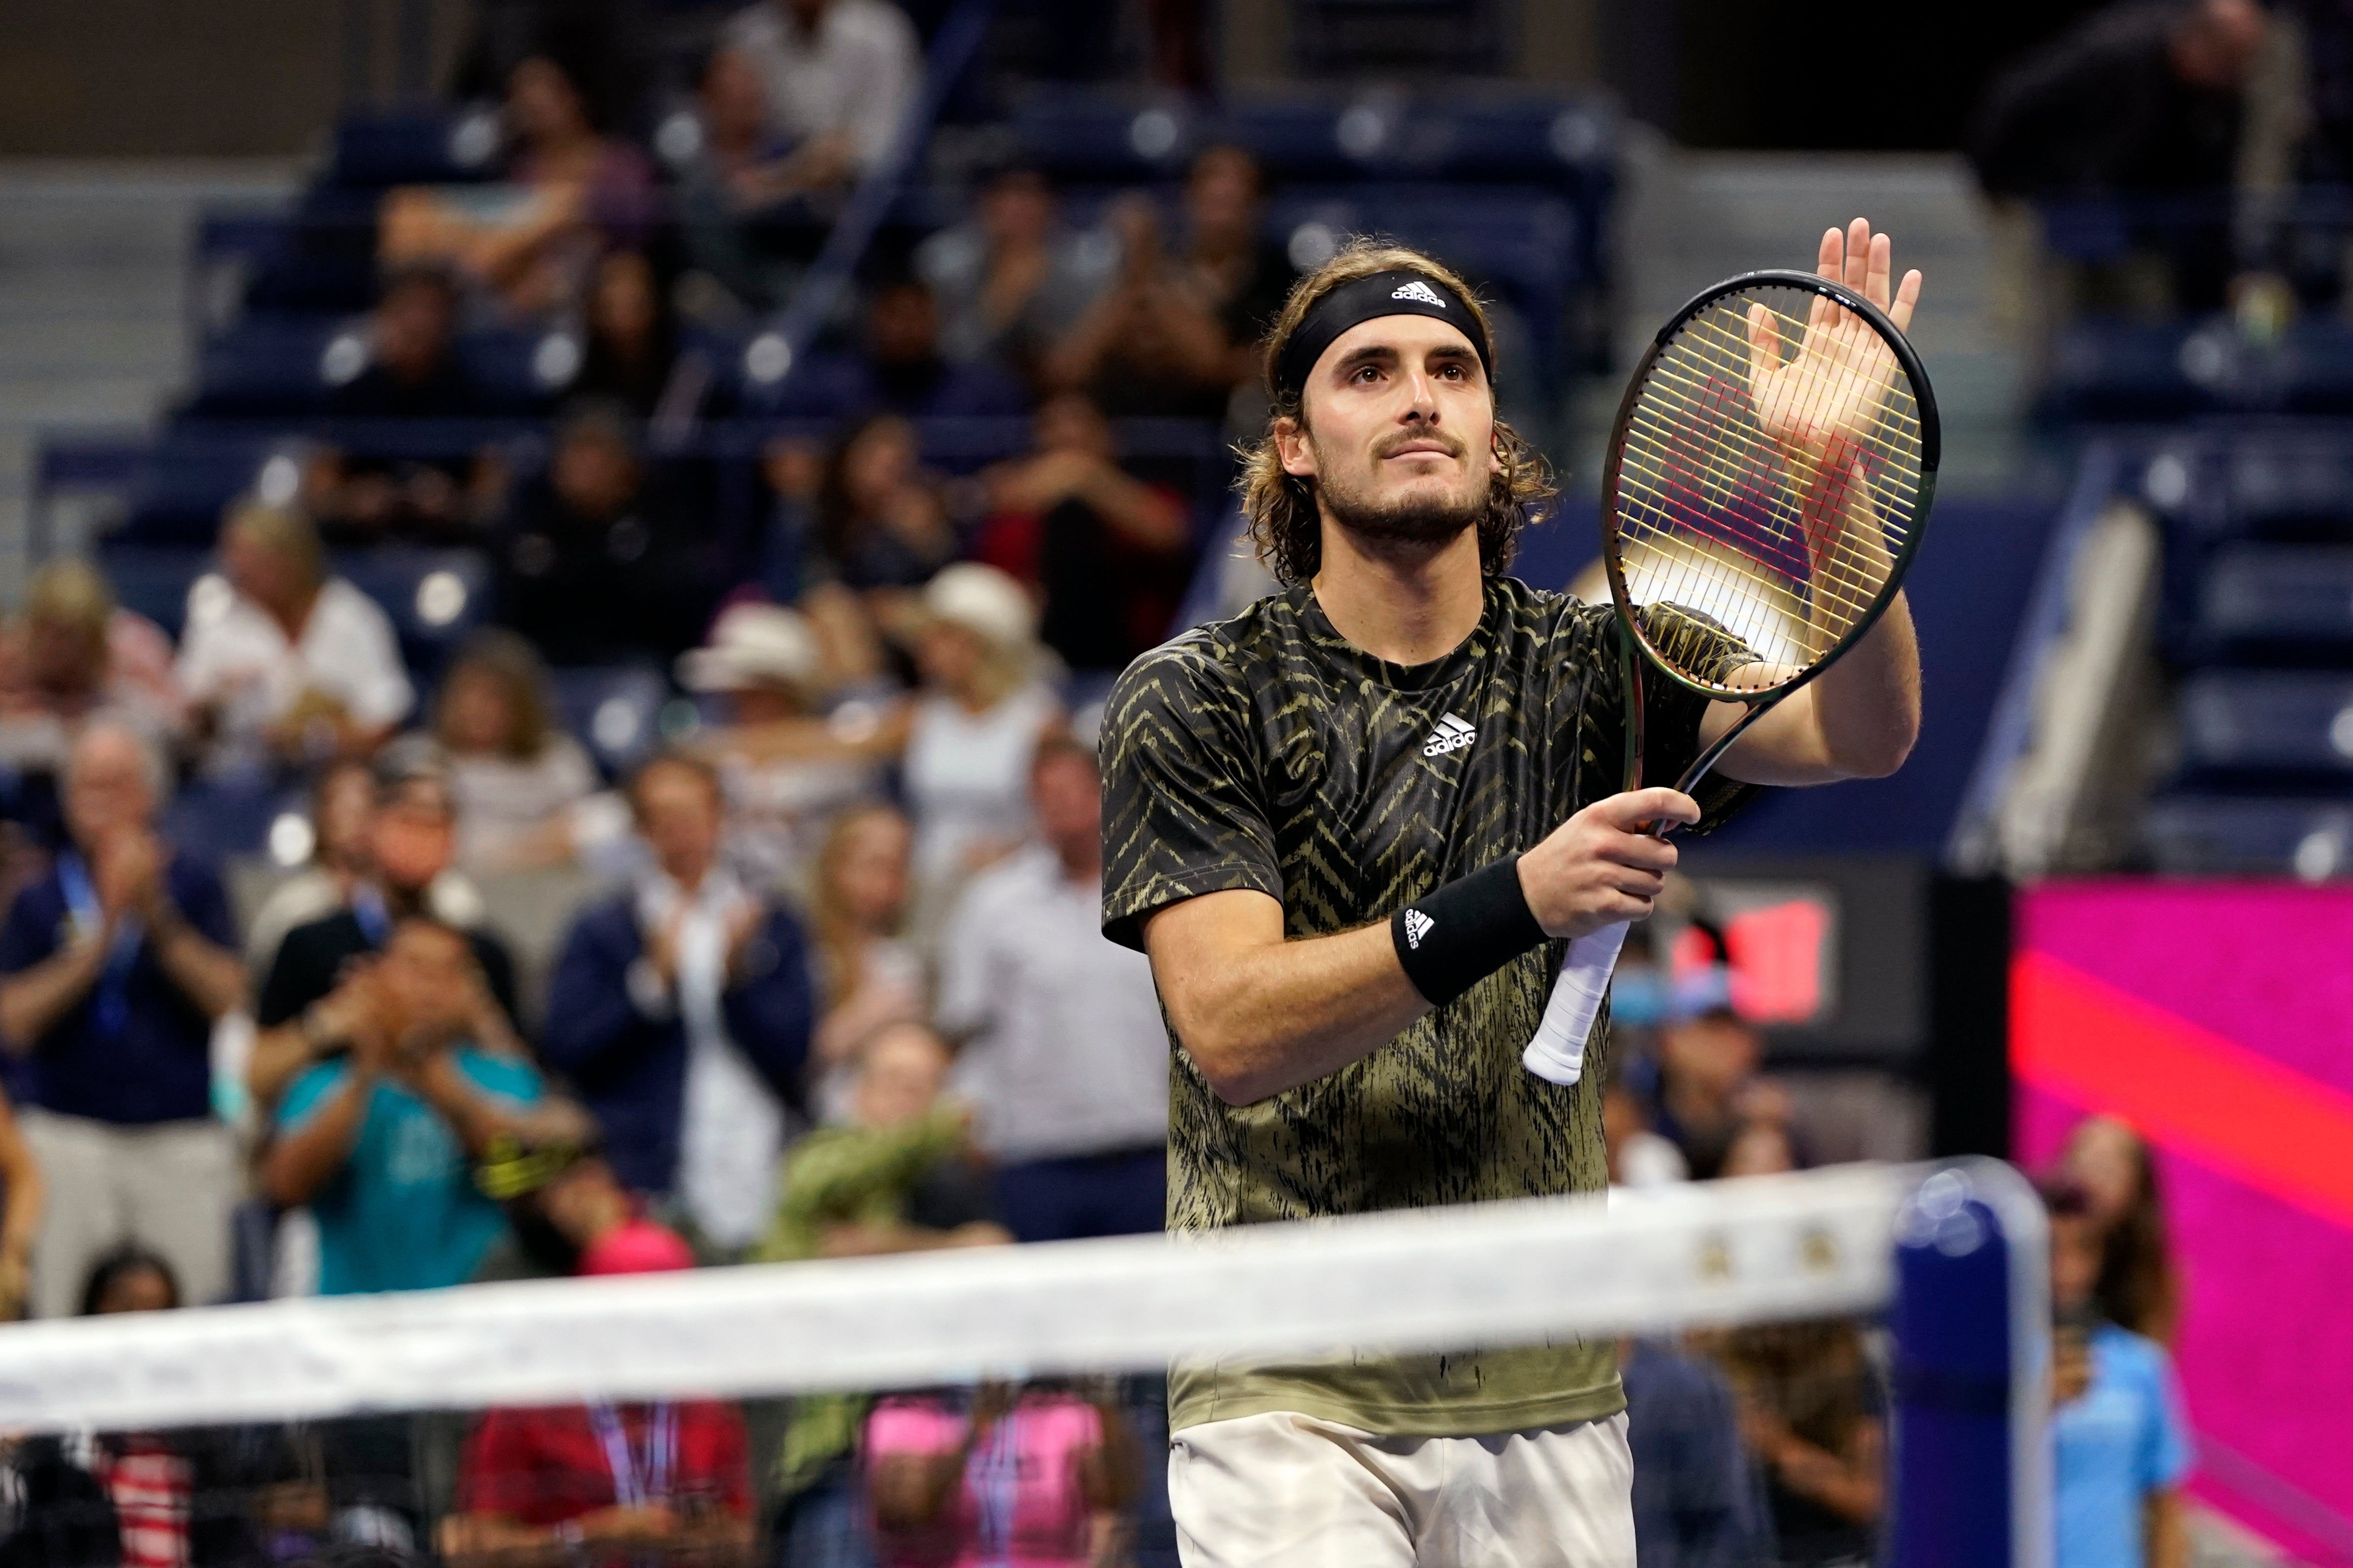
1417	290
1452	735
1417	926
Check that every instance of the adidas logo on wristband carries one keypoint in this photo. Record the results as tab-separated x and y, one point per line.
1417	926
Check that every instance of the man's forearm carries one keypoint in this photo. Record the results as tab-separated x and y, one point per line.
32	1001
303	1162
476	1119
1866	706
280	1057
209	975
1264	1016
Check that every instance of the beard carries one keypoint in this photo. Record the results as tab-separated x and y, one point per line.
1420	518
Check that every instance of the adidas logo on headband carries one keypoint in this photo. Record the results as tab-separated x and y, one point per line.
1399	291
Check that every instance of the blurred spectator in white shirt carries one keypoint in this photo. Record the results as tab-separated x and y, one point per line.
517	778
282	659
840	74
1068	1056
72	650
973	728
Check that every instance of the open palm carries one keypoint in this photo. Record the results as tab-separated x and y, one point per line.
1823	401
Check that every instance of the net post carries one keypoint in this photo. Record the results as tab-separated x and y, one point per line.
1972	1365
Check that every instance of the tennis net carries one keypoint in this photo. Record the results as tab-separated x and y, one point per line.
829	1412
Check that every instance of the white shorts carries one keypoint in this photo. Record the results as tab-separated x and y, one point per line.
1291	1490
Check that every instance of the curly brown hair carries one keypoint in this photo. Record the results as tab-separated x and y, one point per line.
1285	525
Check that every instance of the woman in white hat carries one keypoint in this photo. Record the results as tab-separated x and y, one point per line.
976	722
788	769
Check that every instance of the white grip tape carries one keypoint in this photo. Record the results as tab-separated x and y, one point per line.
1558	1053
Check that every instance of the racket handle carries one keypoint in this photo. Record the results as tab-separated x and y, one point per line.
1558	1053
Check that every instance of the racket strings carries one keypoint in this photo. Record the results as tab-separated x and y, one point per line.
1734	522
1731	483
1730	352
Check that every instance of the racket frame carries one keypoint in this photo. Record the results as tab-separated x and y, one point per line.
1931	450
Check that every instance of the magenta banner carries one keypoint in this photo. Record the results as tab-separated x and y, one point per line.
2218	1018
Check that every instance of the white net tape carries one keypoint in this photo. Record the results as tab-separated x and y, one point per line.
1811	1245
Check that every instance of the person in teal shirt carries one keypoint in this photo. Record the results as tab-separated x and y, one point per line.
2119	1445
381	1142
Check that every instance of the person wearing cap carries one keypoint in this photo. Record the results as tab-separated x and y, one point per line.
681	1011
789	769
315	994
1351	827
972	729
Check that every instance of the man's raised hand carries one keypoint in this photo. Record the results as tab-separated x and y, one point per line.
1826	398
1604	865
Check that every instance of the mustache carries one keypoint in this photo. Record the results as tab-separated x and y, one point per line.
1388	448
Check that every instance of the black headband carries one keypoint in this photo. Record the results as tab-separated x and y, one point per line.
1404	292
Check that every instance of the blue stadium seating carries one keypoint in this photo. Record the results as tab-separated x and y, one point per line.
2192	835
616	712
434	596
2282	602
272	365
287	367
2267	727
421	147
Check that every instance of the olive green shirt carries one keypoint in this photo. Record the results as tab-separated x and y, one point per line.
1268	753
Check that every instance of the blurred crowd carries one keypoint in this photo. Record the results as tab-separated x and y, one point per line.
824	976
2184	156
1768	1443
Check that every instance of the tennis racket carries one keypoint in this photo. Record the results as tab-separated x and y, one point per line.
1770	478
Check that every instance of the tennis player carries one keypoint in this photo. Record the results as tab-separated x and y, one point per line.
1352	826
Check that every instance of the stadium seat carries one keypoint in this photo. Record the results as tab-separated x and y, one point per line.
2117	370
2281	602
187	478
434	596
152	580
2267	727
275	366
616	712
2289	485
425	147
2209	836
1088	136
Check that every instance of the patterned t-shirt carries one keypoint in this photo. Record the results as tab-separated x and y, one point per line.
1268	753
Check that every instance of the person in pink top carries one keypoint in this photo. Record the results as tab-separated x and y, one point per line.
1031	1478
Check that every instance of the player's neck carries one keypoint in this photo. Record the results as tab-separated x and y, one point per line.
1402	602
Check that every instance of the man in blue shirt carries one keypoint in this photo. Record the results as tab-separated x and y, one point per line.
2120	1445
380	1141
113	968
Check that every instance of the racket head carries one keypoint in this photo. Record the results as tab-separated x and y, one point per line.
1723	489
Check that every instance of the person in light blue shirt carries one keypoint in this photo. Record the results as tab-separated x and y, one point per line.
381	1142
2120	1445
